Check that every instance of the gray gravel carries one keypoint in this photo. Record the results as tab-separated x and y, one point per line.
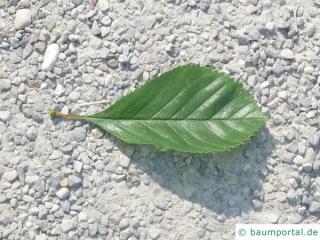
69	180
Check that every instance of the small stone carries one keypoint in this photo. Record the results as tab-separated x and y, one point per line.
277	68
314	140
125	234
50	57
10	176
106	21
5	116
154	233
281	196
63	193
307	167
306	200
221	218
44	226
59	91
281	23
64	182
103	230
291	195
147	180
316	165
67	225
301	211
56	155
74	96
40	46
32	134
256	204
301	149
160	203
272	216
103	5
311	30
74	181
79	134
67	149
200	232
310	155
31	179
40	185
278	120
22	19
55	180
5	84
243	40
95	28
77	2
294	219
124	223
77	166
270	26
124	161
37	117
42	236
264	85
105	31
252	80
287	54
314	207
112	63
254	2
65	205
298	160
27	51
82	217
13	202
99	165
133	181
93	229
283	95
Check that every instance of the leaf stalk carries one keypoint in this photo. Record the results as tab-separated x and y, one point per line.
54	114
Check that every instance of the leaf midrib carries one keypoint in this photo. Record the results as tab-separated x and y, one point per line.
175	120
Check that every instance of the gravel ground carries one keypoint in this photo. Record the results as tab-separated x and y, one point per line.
69	180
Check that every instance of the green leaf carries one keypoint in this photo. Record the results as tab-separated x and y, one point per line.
190	109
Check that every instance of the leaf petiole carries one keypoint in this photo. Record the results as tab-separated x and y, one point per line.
54	114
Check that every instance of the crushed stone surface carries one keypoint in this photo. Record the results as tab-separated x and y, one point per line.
70	180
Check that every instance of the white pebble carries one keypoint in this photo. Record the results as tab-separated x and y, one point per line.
23	18
4	116
31	179
103	5
63	193
82	217
67	225
77	166
287	54
10	176
154	233
124	161
283	95
50	57
314	208
59	90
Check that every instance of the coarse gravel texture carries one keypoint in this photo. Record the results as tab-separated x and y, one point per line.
70	180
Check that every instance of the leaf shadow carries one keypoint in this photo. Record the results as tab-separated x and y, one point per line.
224	183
